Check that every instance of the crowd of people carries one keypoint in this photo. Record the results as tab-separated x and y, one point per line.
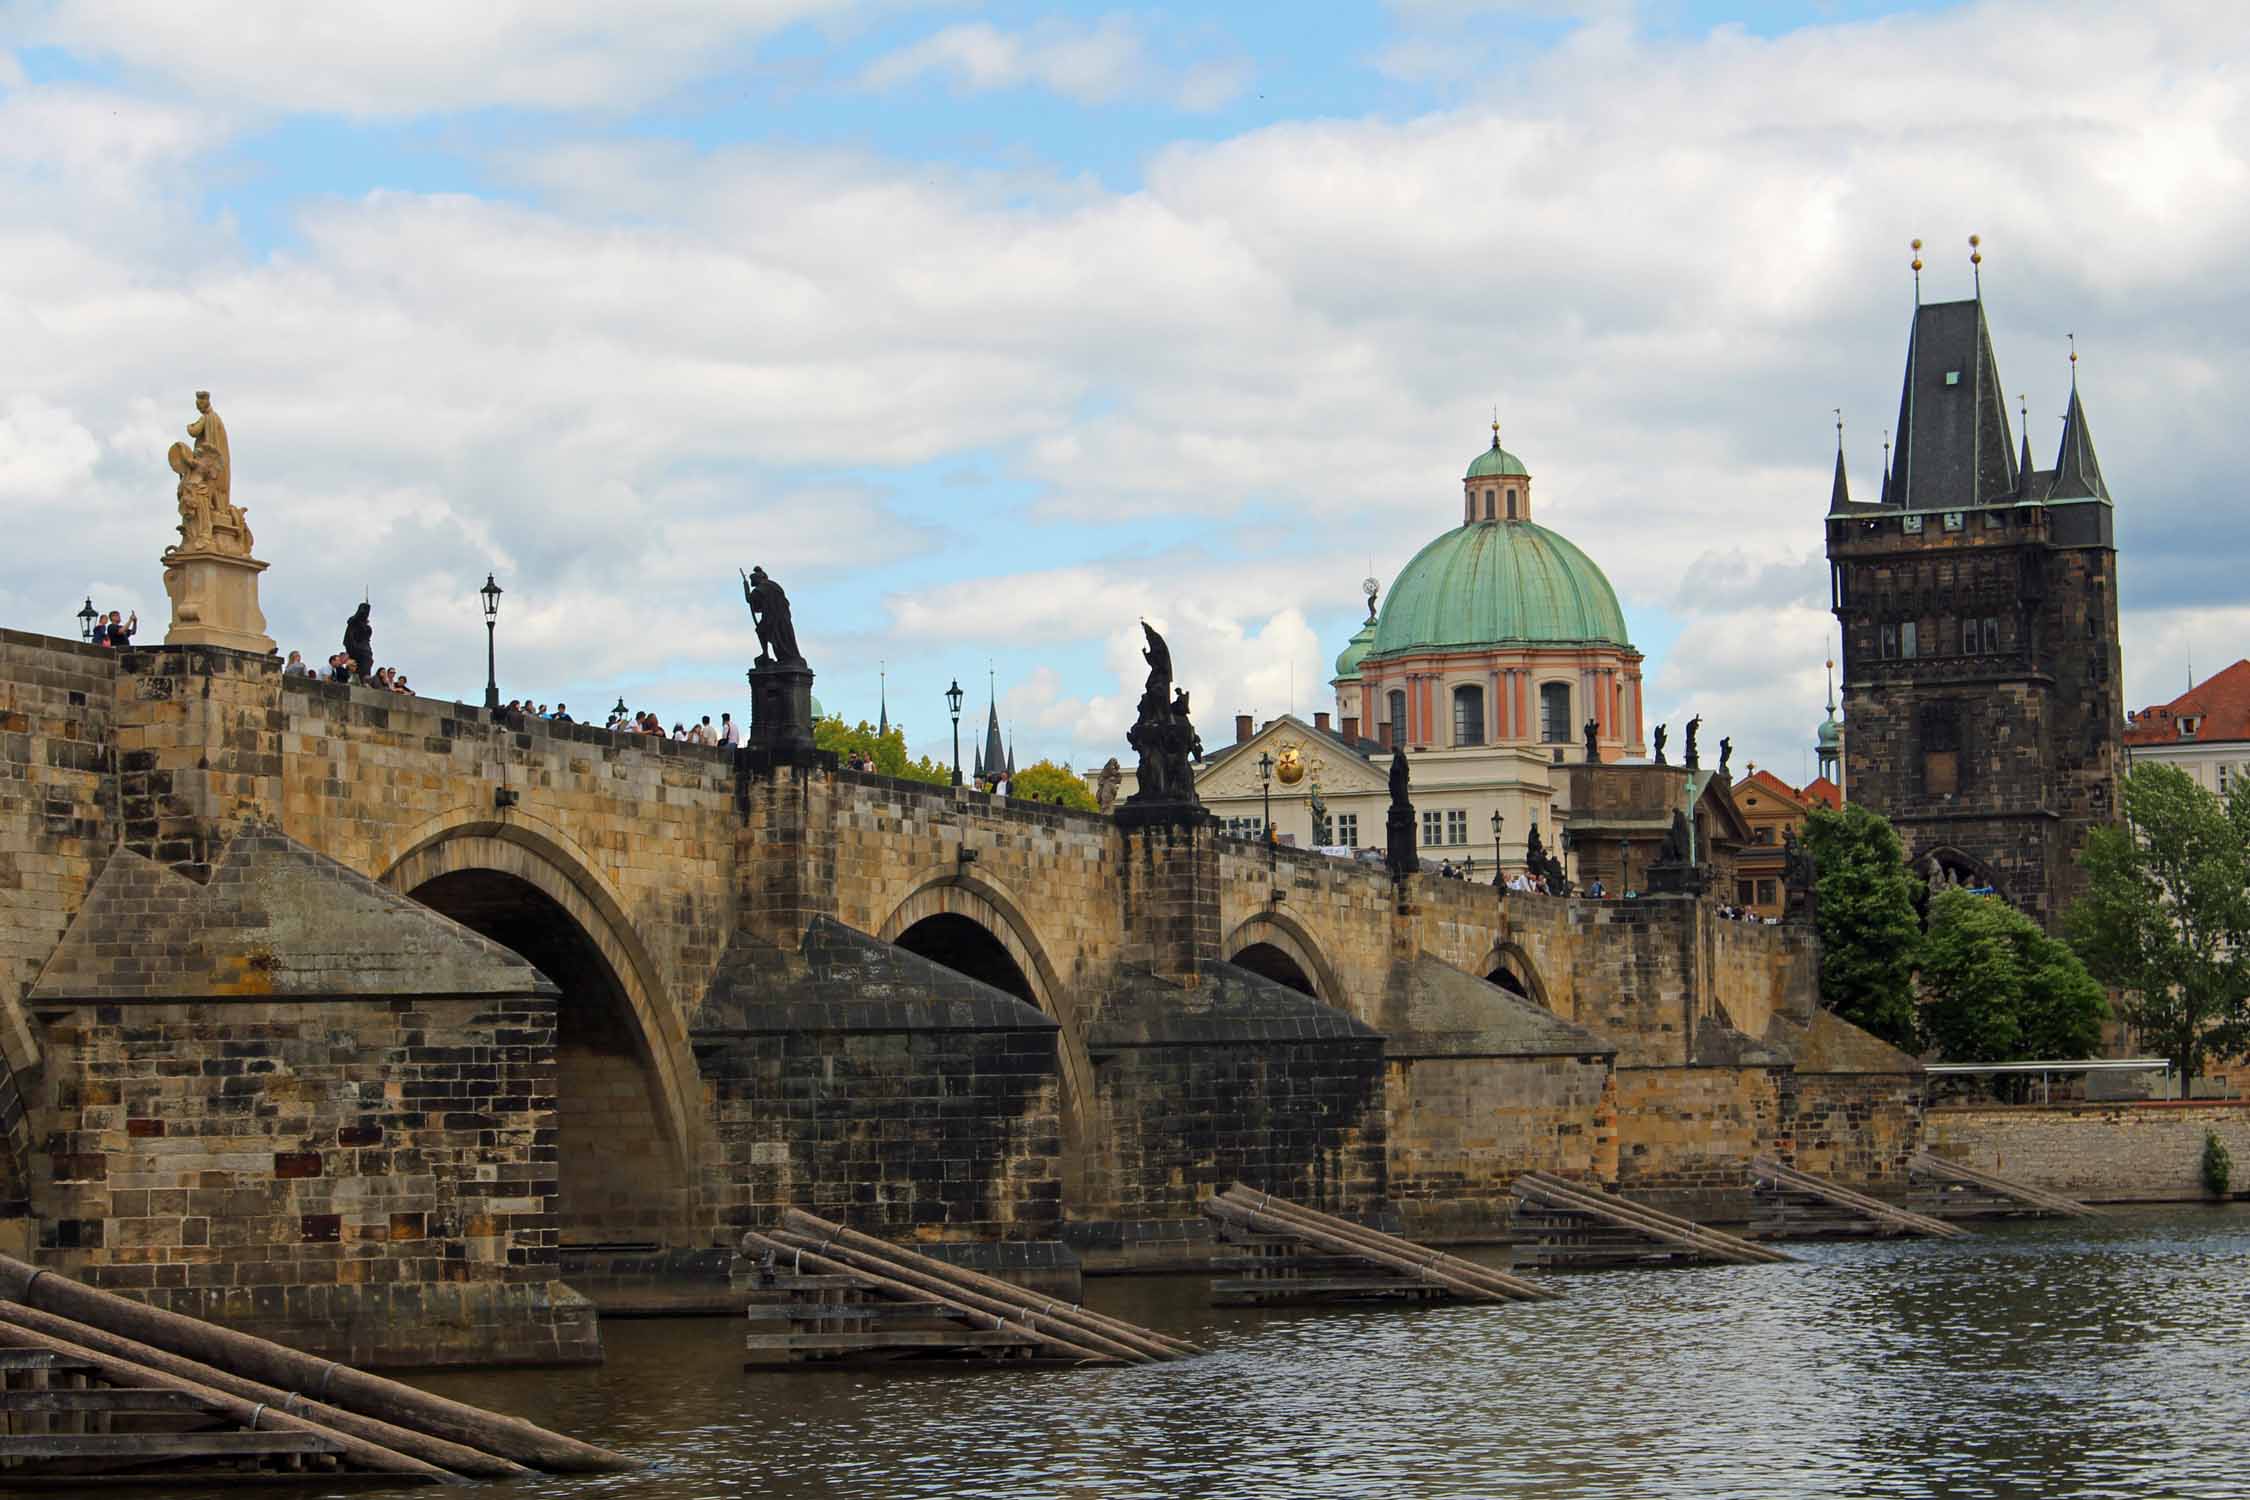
341	668
1731	913
702	732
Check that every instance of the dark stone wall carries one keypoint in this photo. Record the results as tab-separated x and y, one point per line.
2032	729
904	1134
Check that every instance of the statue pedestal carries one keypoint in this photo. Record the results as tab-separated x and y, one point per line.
781	716
215	601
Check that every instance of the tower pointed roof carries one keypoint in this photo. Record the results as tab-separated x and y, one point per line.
1840	493
883	702
1954	447
2078	473
995	758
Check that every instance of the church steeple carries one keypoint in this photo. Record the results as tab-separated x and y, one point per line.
1497	486
1840	493
994	759
2078	473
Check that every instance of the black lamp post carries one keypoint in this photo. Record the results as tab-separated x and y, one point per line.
1496	870
86	619
953	705
1265	779
491	594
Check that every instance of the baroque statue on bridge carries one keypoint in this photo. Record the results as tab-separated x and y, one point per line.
210	521
1661	731
1162	734
769	612
1694	726
1399	854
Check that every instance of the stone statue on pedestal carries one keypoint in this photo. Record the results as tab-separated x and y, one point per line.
209	573
1399	855
1593	736
1661	731
1726	749
1106	786
1162	734
1693	725
1800	877
781	732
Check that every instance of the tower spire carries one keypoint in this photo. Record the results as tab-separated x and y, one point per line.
1840	492
883	700
1976	266
2078	473
1917	273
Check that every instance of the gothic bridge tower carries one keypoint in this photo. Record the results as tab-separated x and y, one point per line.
1978	600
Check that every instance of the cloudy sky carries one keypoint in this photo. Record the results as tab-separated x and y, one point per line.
988	329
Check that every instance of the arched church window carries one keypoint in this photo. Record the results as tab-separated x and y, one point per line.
1488	505
1468	716
1554	713
1398	716
1511	502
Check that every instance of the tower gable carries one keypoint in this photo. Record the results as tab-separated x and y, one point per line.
1954	448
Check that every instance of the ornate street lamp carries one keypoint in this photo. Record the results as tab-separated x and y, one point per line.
491	594
1265	779
953	705
1497	872
86	619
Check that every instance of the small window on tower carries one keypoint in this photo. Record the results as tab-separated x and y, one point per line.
1906	639
1511	503
1991	634
1488	505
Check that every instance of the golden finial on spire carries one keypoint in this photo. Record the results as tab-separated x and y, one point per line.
1917	272
2073	359
1976	265
1495	426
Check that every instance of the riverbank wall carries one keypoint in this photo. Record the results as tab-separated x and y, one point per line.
2144	1151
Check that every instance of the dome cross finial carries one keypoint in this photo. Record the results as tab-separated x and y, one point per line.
1496	426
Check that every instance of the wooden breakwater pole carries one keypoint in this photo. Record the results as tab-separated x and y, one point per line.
1262	1213
298	1374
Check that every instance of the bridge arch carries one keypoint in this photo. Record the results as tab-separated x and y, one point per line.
1514	970
931	921
1278	946
529	887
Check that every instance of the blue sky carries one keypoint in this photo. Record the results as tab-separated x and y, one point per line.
988	328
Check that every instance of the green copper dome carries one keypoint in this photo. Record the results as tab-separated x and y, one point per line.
1347	662
1497	462
1829	735
1498	581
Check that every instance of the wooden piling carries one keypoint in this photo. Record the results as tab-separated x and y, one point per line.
1342	1236
276	1364
1989	1192
1545	1191
1147	1340
1784	1182
472	1463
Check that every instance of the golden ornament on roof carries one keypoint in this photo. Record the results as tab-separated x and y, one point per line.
1289	766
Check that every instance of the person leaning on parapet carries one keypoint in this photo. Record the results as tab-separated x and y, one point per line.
729	736
295	666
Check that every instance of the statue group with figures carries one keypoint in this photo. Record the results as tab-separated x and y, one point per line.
210	521
1162	734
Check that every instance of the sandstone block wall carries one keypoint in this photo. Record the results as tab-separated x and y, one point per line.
2120	1153
58	802
313	1170
1462	1129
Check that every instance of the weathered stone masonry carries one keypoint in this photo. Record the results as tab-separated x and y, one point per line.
946	1016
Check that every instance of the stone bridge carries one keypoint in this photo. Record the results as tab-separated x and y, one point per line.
253	1069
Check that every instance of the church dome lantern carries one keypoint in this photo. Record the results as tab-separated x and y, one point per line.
1497	486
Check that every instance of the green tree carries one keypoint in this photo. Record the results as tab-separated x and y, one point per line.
1046	781
2166	915
888	750
1869	935
1998	989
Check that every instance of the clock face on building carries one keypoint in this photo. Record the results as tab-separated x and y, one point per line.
1289	766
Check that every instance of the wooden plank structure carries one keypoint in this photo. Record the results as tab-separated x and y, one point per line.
1575	1226
822	1295
1297	1254
1798	1205
84	1401
1948	1190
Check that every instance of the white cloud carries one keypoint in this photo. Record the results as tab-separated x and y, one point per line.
1665	260
1096	63
416	56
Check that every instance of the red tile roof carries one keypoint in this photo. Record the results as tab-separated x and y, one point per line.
2220	706
1824	792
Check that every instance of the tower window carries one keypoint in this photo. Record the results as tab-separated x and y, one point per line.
1991	634
1906	639
1398	718
1468	716
1554	713
1511	502
1488	505
1940	735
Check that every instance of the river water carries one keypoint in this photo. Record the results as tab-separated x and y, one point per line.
2046	1359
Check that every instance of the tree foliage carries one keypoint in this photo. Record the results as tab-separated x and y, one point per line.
1047	781
1870	937
887	750
2166	915
1998	989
